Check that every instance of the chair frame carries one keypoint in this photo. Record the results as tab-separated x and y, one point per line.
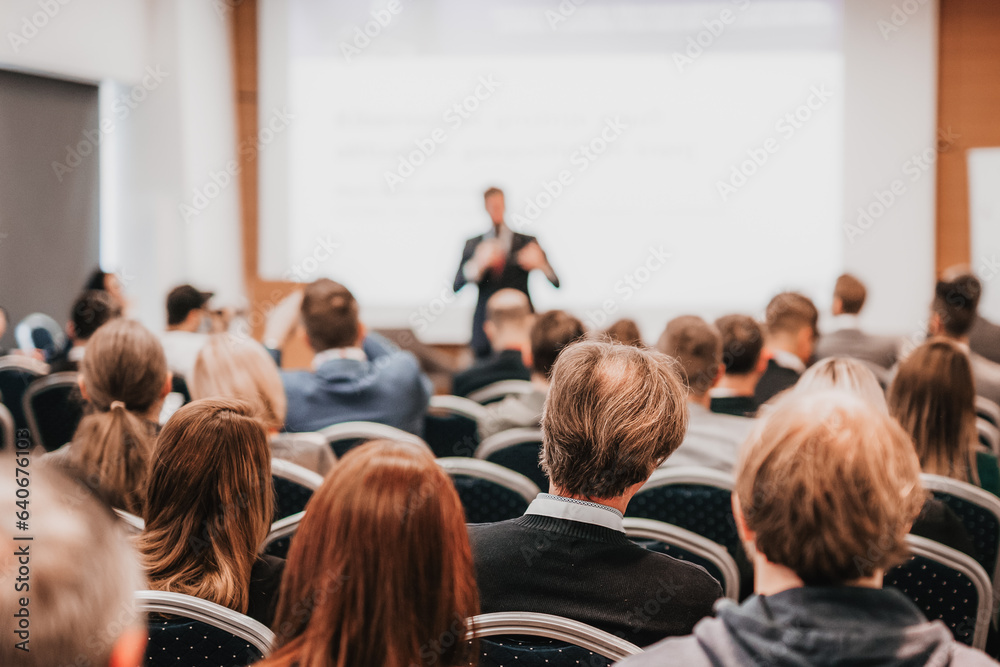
505	439
984	429
688	475
133	523
293	472
967	565
282	528
491	472
196	609
66	378
456	405
7	427
369	430
988	410
551	627
696	544
24	363
500	389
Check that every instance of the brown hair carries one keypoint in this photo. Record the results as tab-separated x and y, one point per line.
742	343
626	332
124	374
830	487
329	315
851	293
933	397
209	502
230	366
956	301
492	191
790	312
613	414
382	571
697	345
551	332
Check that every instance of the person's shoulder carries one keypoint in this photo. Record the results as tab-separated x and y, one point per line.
684	651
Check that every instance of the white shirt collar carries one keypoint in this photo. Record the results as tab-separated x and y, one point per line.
355	353
845	321
721	392
571	509
788	360
76	353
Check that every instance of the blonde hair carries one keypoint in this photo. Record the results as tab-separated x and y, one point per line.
209	502
844	373
124	374
830	487
230	366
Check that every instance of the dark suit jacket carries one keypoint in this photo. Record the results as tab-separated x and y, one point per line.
775	380
879	350
984	339
507	365
513	276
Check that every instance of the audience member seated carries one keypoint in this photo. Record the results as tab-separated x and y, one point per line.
231	366
183	338
208	509
933	397
791	334
742	343
613	414
953	312
846	339
3	329
108	282
551	332
354	376
91	310
124	379
381	572
984	339
818	580
508	328
626	332
77	603
712	440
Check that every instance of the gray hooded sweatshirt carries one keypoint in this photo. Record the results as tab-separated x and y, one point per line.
815	627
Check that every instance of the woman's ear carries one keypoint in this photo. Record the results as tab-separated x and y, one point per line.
746	535
167	386
83	387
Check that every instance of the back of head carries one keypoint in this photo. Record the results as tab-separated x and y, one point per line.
551	332
696	344
209	488
626	332
230	366
851	293
386	576
613	414
329	315
956	301
789	312
124	374
74	598
97	280
91	310
847	374
742	343
182	300
933	397
509	309
830	488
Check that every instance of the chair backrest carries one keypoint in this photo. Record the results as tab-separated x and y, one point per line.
499	390
133	524
41	331
293	487
988	410
7	435
344	437
451	426
279	539
989	435
517	449
309	450
198	633
948	586
16	374
489	492
979	512
53	408
529	639
687	546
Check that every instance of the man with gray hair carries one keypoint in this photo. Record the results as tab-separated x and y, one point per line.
69	574
612	415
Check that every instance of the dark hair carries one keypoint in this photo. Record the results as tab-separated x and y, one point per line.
851	293
697	345
742	343
91	310
329	315
182	300
95	281
551	332
955	303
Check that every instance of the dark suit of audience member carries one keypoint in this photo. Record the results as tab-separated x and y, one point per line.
742	345
776	379
504	365
984	339
508	330
790	321
881	351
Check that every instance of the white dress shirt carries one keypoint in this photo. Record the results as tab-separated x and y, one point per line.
571	509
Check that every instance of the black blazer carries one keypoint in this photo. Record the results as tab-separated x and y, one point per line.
506	365
513	277
775	380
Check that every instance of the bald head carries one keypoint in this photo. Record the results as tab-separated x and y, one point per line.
508	320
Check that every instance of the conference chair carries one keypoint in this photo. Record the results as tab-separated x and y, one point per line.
687	546
306	449
17	372
517	449
988	410
989	436
451	426
489	492
947	585
497	391
530	639
279	539
41	332
189	631
53	408
347	435
293	487
133	524
7	437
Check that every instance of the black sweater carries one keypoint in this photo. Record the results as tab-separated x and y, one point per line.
590	574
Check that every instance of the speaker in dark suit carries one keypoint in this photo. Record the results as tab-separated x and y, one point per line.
501	258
